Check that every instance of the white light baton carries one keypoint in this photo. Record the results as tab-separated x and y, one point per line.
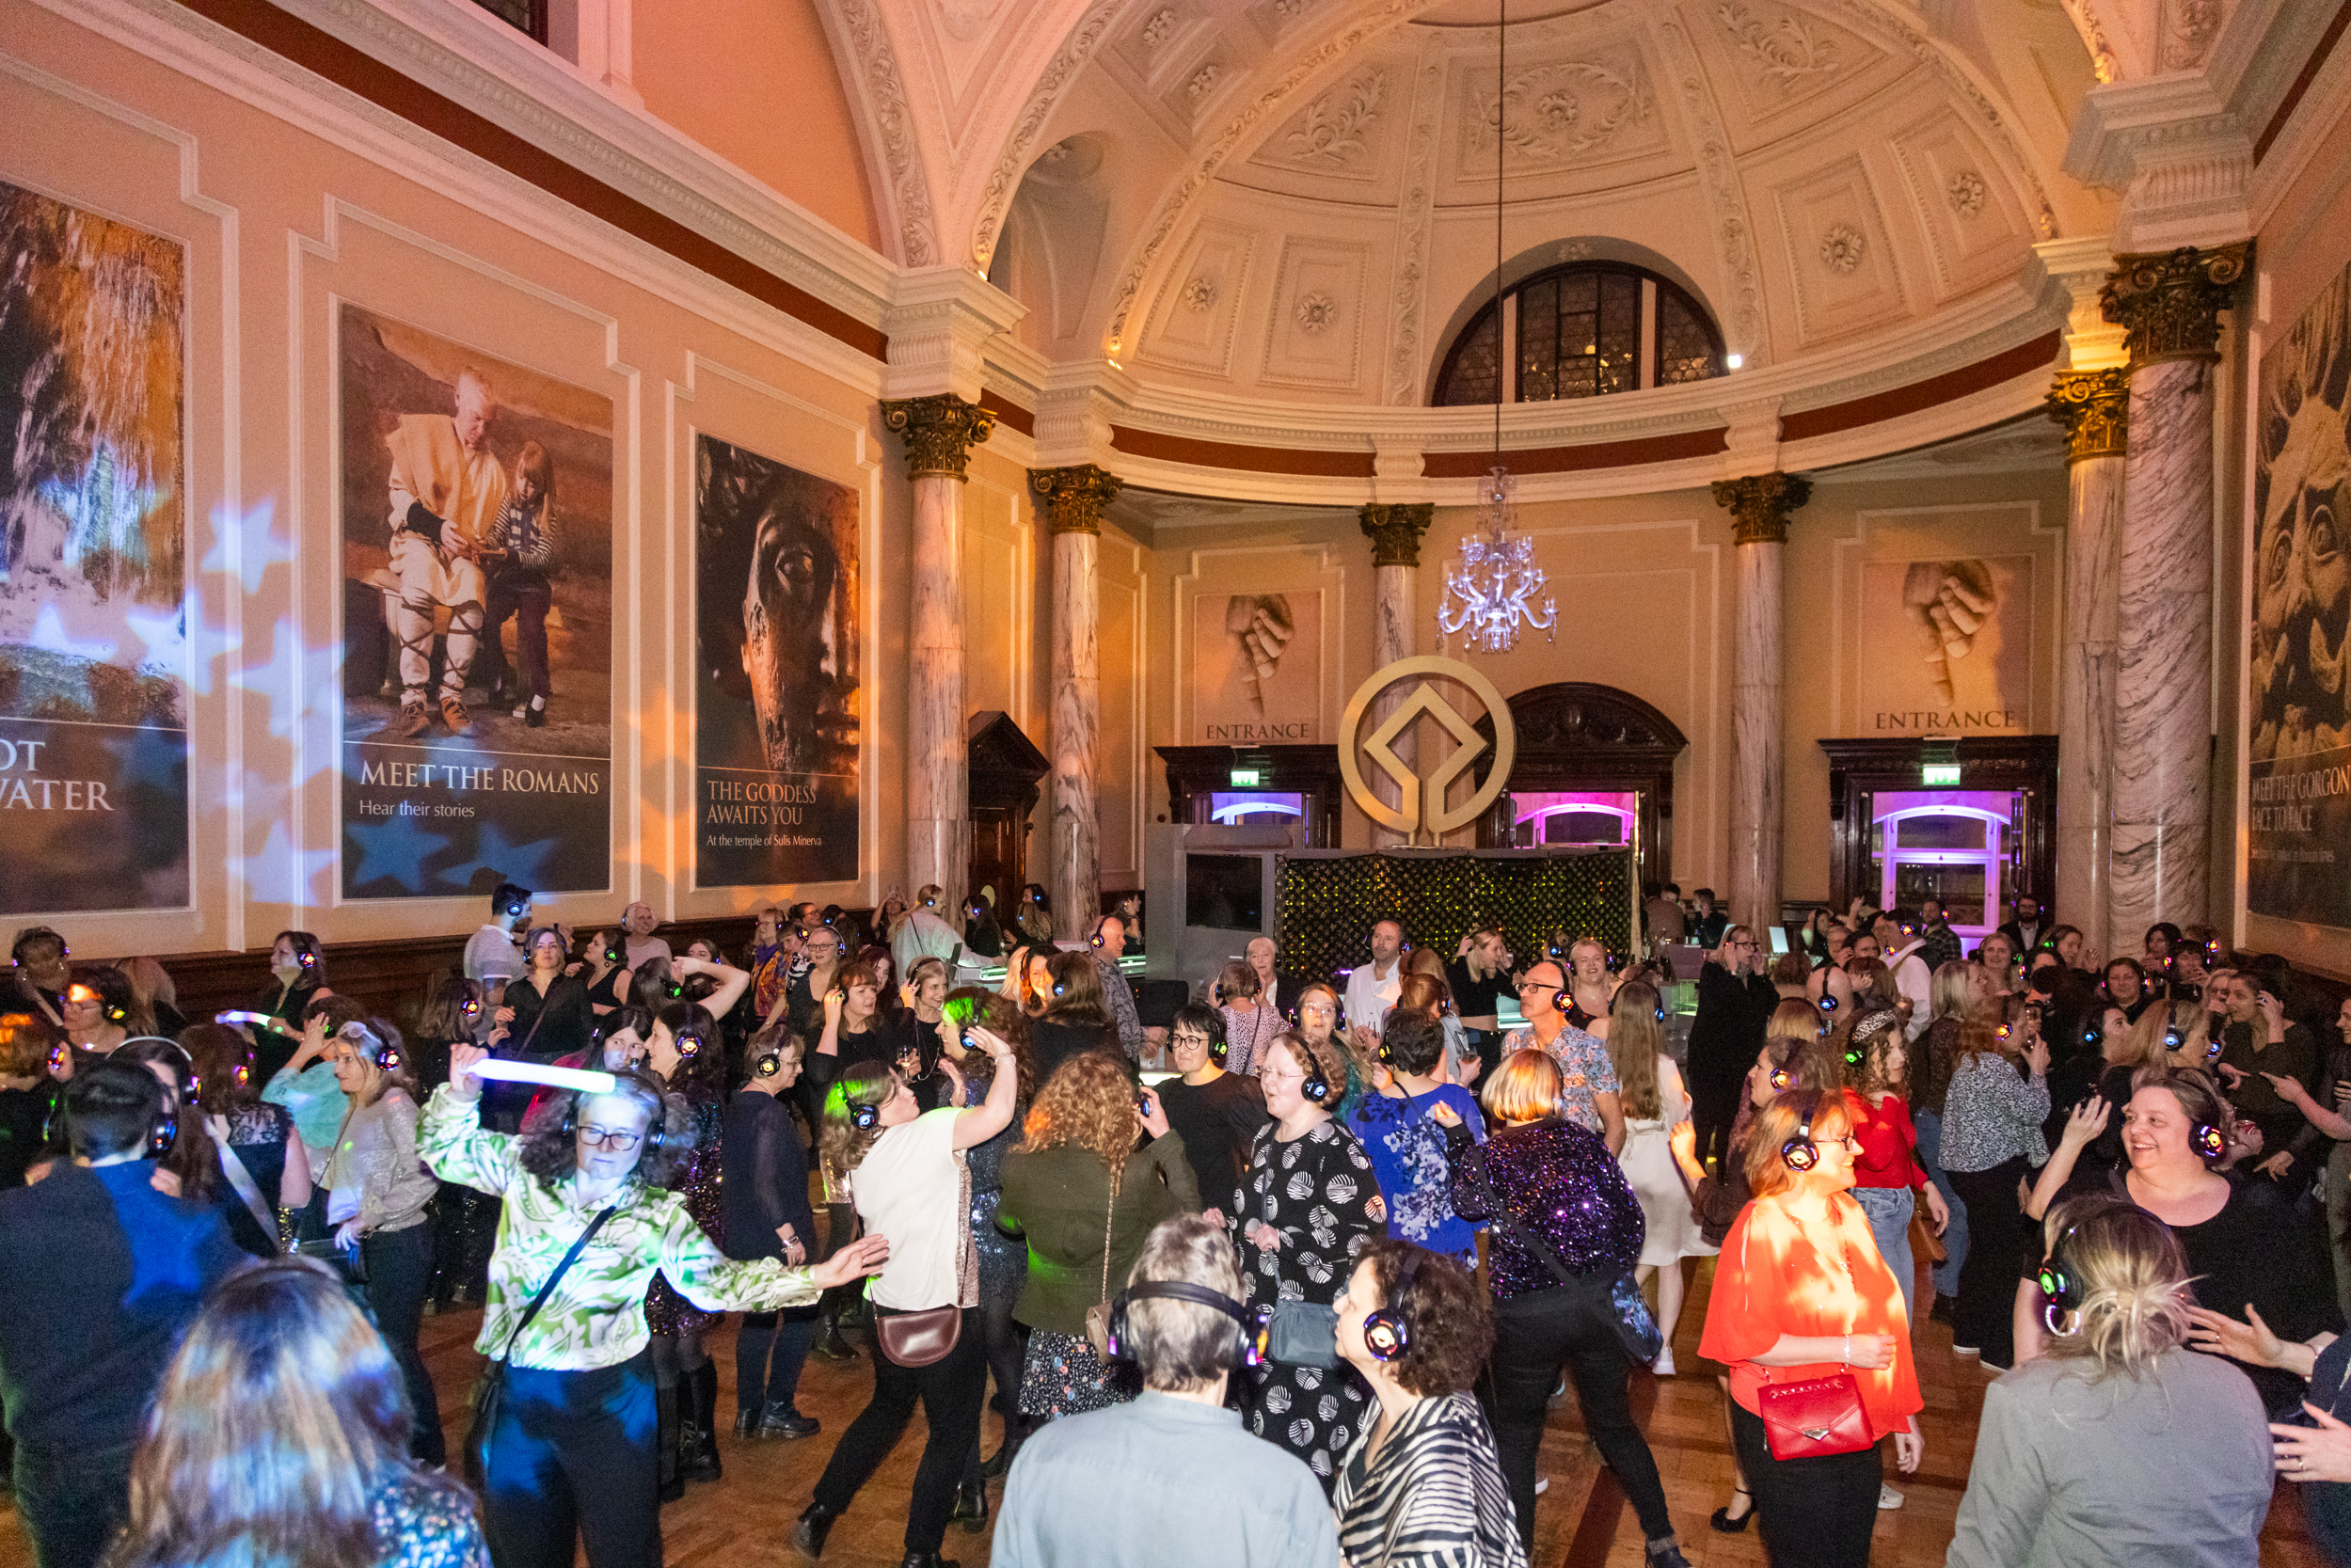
582	1079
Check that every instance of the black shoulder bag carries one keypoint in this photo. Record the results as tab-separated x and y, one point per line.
1635	1325
491	1386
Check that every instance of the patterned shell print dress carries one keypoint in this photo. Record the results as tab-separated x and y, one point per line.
696	1178
1318	1190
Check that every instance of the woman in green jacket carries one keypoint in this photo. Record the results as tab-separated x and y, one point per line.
1085	1196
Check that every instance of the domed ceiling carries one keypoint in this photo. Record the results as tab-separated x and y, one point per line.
1293	200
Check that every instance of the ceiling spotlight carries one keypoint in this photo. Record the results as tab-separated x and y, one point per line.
1733	360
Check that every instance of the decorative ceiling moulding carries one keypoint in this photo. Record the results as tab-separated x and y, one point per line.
1005	179
1409	299
893	150
2181	159
331	88
940	327
1745	328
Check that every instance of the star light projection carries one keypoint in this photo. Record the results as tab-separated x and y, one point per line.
1495	589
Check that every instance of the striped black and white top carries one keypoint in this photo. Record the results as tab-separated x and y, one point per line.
1432	1497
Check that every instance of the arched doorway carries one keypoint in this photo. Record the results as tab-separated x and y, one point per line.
1595	766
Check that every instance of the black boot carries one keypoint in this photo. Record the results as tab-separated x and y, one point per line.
971	1507
815	1525
1015	1433
929	1559
698	1444
830	1346
665	1443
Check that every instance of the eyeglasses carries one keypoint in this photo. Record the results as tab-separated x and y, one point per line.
1190	1039
1536	985
614	1138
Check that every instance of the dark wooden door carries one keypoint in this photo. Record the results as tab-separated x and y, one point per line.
999	853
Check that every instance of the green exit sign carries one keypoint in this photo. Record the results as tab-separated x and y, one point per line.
1244	778
1939	773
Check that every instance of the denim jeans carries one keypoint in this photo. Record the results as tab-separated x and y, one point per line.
1889	1210
71	1501
1946	1273
572	1458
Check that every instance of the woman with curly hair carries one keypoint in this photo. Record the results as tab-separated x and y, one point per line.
686	1053
1889	1179
571	1454
907	1167
1309	1205
279	1435
1421	1482
1084	1195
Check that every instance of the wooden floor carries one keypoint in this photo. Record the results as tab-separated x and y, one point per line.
744	1521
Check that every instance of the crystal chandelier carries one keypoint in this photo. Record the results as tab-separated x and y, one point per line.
1495	589
1497	586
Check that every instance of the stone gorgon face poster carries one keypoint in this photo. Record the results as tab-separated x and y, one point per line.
2300	745
93	562
778	727
476	505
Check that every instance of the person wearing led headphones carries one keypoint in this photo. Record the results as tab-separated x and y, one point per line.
1216	1111
1992	1139
570	1454
99	1011
1421	1482
1801	1297
1587	1077
1123	1487
100	1273
2078	1456
2262	1296
376	1192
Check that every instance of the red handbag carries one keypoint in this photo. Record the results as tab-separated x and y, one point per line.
1811	1420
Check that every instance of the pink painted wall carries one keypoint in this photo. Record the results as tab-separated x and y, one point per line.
755	82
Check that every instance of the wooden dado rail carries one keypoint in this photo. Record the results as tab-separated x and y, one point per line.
388	978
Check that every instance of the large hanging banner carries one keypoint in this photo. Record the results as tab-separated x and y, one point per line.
93	564
776	702
477	557
2300	843
1257	668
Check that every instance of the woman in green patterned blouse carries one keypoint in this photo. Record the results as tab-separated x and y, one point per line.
573	1450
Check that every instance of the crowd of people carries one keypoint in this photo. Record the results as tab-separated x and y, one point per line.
1294	1274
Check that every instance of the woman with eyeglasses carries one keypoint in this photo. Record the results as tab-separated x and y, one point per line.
1309	1204
1216	1112
572	1453
1800	1294
1735	1000
99	1010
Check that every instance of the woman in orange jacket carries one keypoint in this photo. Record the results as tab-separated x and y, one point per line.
1800	1294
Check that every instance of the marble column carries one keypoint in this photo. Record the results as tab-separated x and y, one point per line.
1759	505
2170	307
1072	500
2094	408
939	433
1394	530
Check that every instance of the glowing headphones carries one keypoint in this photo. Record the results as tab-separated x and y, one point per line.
58	1055
243	1073
112	1012
387	1056
2064	1291
1177	1290
2174	1035
470	1007
689	1042
163	1133
570	1129
1828	1003
769	1065
1386	1057
516	904
1800	1152
1660	1012
32	934
1388	1333
2207	1142
1316	1087
865	1117
1782	1080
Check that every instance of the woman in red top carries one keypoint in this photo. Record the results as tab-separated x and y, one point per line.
1888	1176
1800	1293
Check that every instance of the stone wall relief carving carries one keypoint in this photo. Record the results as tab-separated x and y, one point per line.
2189	28
880	85
1315	312
1965	205
1407	298
1841	249
1335	130
1740	302
1159	28
1199	293
1783	52
1965	192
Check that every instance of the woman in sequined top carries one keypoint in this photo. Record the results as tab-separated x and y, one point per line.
687	1053
1565	1228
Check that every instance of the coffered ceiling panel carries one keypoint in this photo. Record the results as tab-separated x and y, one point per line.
1315	335
1978	231
1193	326
1779	68
1840	267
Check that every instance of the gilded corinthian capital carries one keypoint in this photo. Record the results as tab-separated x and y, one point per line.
2170	305
1395	529
2094	406
940	431
1073	497
1760	505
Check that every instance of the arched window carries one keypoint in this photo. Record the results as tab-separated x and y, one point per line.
1581	330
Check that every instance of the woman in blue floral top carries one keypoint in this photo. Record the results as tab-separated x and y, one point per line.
280	1435
1405	1142
572	1452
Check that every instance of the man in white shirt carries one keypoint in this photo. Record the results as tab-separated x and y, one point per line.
638	919
1372	987
1899	939
490	952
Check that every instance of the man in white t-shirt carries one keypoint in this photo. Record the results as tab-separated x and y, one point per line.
905	1176
1372	987
638	921
491	951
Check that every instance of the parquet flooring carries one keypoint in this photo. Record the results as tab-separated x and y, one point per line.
744	1520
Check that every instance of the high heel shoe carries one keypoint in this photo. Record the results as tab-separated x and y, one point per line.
1729	1526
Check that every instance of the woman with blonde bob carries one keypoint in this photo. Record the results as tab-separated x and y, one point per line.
1566	1232
1086	1197
1800	1294
280	1435
2077	1455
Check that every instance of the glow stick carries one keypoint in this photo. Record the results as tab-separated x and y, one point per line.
258	1021
554	1077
